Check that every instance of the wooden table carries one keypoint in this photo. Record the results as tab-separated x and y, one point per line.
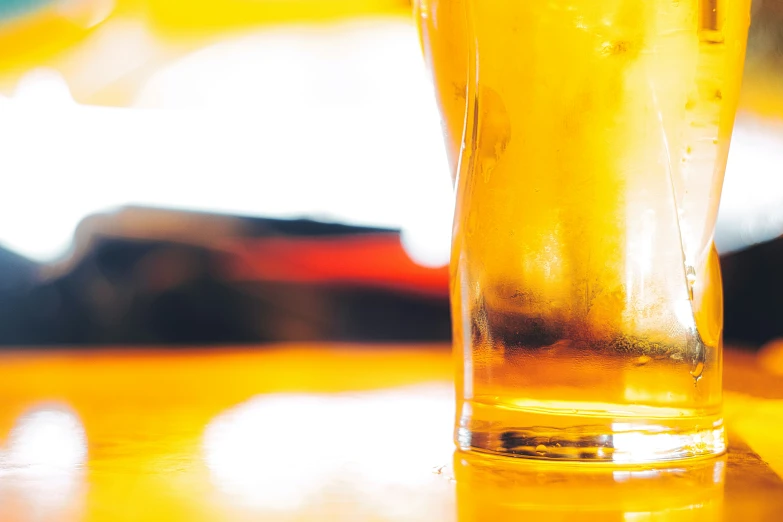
348	433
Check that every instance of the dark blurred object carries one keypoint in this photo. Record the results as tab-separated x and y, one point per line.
17	280
154	277
146	276
753	294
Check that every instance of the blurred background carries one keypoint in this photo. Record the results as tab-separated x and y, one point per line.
196	172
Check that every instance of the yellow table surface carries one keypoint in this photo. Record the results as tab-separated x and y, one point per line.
293	433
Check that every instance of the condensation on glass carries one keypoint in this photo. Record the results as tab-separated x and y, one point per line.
588	142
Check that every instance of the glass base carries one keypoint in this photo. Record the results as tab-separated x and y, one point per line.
588	433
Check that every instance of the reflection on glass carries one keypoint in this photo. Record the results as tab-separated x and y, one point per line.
490	488
41	464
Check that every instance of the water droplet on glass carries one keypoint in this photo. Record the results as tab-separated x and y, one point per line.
690	275
697	371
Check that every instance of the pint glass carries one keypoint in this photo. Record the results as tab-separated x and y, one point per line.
588	141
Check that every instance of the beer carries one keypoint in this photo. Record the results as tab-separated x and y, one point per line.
588	142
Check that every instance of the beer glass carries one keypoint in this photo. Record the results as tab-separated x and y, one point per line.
588	141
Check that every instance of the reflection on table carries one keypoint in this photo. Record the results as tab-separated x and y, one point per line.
500	489
326	432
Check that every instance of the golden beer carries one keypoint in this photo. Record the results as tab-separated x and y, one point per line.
588	141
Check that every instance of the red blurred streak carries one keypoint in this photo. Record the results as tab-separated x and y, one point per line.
368	260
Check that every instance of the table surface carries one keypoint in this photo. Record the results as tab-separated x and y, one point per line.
294	433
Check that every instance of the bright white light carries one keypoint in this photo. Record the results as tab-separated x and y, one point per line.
633	445
46	441
42	462
752	203
336	124
280	452
426	238
683	311
427	245
249	450
719	472
43	89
